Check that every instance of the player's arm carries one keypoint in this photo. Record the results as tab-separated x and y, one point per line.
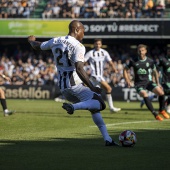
125	75
156	76
5	77
113	66
35	44
109	60
84	77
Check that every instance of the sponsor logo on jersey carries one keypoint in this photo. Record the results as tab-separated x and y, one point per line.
141	71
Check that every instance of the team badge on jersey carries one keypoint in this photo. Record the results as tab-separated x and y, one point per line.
80	56
147	64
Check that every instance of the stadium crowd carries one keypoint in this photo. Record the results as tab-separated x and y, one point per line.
28	67
17	8
85	8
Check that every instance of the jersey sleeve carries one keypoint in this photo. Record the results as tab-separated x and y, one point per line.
87	56
108	58
46	45
79	53
153	65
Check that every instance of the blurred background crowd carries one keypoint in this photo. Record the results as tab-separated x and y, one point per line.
84	8
29	67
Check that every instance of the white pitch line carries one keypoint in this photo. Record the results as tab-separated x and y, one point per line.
137	122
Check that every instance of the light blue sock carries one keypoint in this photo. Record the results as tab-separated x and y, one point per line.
87	105
98	120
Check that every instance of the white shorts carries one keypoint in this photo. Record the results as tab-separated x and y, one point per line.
96	81
78	93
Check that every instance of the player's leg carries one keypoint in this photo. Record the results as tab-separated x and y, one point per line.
148	103
151	97
143	93
166	88
98	120
4	104
84	99
159	91
108	90
168	104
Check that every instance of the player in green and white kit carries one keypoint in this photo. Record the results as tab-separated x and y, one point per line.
164	64
144	70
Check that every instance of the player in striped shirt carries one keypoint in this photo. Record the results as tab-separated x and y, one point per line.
97	59
69	53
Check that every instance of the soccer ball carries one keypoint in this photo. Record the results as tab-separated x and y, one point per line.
127	138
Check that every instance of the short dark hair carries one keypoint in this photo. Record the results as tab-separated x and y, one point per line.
142	46
97	39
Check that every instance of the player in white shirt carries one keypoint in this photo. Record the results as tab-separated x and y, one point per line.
69	53
97	59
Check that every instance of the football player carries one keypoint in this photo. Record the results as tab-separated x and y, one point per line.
97	58
144	68
68	54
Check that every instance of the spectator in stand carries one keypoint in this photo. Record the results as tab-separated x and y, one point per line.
147	10
139	9
20	10
17	78
100	3
121	11
26	12
130	11
104	12
50	71
67	10
3	9
56	10
47	12
96	10
111	13
159	8
89	12
76	10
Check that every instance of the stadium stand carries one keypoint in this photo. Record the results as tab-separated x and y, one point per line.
84	9
27	67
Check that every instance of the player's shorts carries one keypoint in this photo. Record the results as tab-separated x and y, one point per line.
96	80
148	86
78	93
166	87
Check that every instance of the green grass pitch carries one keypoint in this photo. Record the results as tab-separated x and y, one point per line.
41	135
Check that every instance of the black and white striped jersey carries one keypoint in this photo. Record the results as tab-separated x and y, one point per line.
66	51
97	60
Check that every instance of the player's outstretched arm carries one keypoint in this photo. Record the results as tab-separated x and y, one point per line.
5	77
35	44
84	77
125	75
113	66
156	76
